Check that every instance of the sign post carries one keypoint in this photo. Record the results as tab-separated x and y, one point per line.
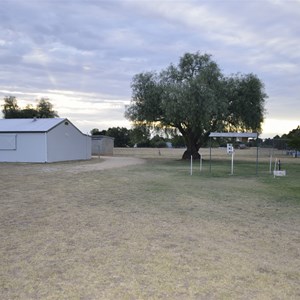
200	162
230	150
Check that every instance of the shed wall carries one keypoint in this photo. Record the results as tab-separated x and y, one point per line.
29	147
102	146
66	142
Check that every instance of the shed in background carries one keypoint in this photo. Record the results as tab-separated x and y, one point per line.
102	145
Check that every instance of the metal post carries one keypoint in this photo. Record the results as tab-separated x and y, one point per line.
257	155
270	166
210	154
200	162
232	154
275	167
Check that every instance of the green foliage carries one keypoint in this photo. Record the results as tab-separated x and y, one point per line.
294	143
195	98
294	139
11	110
177	141
158	142
121	136
95	131
289	140
246	102
140	136
10	107
45	109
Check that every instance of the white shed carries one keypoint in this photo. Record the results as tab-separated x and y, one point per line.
42	140
102	145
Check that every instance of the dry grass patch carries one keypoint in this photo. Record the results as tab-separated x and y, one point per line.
147	231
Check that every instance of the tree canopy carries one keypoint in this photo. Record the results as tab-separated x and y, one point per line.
195	98
294	139
43	109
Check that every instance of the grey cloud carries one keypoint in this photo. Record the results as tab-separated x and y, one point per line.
97	46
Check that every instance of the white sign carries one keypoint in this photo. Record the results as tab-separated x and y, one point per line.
230	149
279	173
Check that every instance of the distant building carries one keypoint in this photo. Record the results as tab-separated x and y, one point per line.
169	145
42	140
102	145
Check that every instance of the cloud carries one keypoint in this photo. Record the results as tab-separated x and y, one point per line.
83	54
278	127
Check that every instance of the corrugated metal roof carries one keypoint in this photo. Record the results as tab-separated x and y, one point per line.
101	137
29	125
234	134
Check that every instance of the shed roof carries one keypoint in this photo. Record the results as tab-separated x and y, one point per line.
101	137
29	125
234	134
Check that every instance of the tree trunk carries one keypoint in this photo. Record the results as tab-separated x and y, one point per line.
192	148
192	142
188	153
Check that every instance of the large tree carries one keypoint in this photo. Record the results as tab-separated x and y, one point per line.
195	98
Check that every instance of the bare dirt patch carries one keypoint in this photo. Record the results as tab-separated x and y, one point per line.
105	163
95	164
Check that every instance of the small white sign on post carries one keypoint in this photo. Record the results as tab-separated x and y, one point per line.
230	150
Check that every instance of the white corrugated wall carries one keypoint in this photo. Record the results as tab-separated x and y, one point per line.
66	142
29	147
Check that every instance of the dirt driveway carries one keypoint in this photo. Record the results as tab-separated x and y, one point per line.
106	162
74	167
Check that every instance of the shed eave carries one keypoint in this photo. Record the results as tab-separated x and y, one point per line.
23	131
234	134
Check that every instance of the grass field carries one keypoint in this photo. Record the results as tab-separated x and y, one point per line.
151	231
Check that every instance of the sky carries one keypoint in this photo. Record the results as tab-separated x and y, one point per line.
83	54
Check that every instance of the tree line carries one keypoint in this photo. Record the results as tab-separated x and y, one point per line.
140	137
287	141
43	109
